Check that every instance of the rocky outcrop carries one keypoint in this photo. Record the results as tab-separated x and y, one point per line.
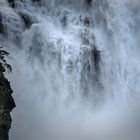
6	105
12	3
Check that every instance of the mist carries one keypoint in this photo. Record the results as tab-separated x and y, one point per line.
76	68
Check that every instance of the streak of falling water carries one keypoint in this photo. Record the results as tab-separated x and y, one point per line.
76	68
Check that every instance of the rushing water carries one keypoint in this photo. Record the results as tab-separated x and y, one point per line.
76	68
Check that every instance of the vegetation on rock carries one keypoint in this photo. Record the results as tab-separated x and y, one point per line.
6	101
3	63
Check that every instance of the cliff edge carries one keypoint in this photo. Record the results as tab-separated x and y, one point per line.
6	104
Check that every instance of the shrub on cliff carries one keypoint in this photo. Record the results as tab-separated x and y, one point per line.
3	64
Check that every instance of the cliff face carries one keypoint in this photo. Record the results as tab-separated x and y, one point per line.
6	105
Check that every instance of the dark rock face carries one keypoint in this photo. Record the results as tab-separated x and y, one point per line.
1	25
27	21
12	3
89	2
6	105
36	0
96	57
87	21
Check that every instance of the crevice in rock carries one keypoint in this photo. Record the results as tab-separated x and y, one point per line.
96	58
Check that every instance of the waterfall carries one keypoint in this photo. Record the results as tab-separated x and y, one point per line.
76	68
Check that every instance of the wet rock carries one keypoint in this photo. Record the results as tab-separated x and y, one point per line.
87	21
89	2
6	105
1	26
27	21
96	58
64	18
36	1
12	3
2	68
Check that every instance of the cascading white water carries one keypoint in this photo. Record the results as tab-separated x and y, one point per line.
76	69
